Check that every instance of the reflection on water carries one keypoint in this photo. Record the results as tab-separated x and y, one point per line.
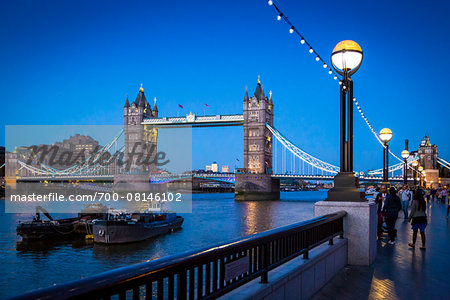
216	218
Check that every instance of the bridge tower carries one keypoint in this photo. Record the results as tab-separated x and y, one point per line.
258	110
140	144
256	183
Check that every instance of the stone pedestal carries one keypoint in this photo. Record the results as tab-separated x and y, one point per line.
249	187
346	186
360	226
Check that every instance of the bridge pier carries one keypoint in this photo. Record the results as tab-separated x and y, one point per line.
254	187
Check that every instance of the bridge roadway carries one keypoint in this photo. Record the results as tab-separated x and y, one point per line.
191	120
228	177
398	271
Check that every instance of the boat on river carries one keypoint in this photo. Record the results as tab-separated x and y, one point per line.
128	228
67	228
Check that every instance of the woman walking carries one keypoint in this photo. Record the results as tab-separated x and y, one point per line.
391	208
418	219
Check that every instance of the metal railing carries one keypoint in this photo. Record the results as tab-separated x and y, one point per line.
205	273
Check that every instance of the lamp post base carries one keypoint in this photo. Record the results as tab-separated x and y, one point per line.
345	188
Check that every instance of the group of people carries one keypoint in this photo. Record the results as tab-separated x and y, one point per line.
439	195
391	202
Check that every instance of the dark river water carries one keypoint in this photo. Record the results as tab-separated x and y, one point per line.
215	218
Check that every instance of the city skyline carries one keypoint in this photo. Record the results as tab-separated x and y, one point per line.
85	71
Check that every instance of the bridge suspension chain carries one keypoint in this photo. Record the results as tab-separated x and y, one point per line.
302	155
443	162
393	168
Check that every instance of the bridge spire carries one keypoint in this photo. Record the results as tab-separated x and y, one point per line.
263	96
140	99
246	94
127	103
257	93
155	109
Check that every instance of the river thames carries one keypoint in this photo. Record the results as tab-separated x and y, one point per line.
215	218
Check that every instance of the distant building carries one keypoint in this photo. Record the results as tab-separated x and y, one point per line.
225	169
214	167
428	154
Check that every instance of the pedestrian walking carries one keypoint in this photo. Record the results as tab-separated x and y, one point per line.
406	197
428	194
379	200
418	219
391	208
446	199
439	195
433	194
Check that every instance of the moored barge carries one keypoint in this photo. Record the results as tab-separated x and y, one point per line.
135	227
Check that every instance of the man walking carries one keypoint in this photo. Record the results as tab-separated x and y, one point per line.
406	197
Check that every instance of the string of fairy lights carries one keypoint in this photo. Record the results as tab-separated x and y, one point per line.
303	41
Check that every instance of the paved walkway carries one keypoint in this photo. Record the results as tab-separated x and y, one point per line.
398	271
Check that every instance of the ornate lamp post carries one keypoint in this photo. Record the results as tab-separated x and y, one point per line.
405	155
385	136
415	164
346	59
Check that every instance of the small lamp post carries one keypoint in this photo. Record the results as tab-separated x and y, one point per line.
346	59
385	136
405	155
414	164
420	169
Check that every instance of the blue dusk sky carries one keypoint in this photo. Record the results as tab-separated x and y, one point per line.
73	62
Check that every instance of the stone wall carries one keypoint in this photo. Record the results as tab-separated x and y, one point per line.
299	278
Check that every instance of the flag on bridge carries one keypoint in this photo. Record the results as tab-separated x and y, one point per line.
206	105
181	106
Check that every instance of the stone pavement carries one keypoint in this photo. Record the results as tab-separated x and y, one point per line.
400	272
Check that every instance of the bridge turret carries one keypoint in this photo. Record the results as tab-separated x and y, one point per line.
246	96
262	96
155	109
127	103
270	108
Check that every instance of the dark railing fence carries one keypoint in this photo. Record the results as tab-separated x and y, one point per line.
205	273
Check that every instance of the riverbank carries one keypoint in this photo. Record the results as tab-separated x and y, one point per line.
215	218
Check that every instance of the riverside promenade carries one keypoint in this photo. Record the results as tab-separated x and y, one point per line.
400	272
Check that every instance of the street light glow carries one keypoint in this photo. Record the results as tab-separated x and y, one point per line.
385	135
405	154
346	57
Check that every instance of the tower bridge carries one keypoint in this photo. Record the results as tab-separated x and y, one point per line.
264	165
